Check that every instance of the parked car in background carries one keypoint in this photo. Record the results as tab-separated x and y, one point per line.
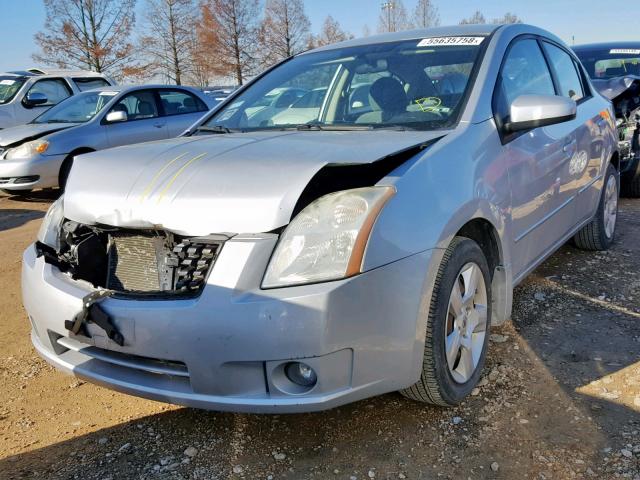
255	265
27	94
218	94
40	153
614	68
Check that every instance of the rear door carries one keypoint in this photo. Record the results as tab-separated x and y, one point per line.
180	109
55	89
537	158
588	155
144	122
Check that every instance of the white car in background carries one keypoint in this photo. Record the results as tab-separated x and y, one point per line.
25	95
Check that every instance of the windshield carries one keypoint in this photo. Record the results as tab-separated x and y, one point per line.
9	86
610	62
411	84
77	109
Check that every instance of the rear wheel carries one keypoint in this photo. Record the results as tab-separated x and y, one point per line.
457	327
631	188
600	233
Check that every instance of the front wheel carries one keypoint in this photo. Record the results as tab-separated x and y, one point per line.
601	231
457	327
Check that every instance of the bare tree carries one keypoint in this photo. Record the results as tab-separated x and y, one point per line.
366	31
426	15
169	37
508	18
331	32
232	33
477	18
88	34
393	17
285	30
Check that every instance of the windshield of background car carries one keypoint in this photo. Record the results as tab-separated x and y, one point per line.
610	62
77	109
416	84
9	86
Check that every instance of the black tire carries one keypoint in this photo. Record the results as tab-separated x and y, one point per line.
17	193
64	172
436	384
631	187
594	236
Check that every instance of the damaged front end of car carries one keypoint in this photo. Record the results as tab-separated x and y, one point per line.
147	263
624	93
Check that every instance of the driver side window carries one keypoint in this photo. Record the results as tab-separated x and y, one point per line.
138	105
524	72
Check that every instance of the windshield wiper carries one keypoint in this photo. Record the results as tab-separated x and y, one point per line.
334	128
214	129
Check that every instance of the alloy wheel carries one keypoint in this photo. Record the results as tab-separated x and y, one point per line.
466	325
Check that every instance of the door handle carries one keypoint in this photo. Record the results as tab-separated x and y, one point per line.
159	125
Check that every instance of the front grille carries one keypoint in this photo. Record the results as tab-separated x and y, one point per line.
158	263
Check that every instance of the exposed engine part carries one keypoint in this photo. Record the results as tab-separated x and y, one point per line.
134	262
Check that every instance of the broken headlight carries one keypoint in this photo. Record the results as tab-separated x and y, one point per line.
27	150
326	240
49	232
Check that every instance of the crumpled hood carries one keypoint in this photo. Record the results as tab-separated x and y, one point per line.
30	131
232	183
612	88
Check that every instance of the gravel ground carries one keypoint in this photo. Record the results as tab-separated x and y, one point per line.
560	397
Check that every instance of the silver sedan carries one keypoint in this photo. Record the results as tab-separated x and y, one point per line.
259	264
40	153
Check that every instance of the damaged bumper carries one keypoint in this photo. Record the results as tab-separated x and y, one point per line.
38	172
227	348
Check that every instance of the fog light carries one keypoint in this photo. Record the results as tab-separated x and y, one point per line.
301	374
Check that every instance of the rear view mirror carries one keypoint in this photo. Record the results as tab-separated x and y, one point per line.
34	99
117	116
532	111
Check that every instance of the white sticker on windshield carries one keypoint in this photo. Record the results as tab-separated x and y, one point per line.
108	94
624	51
7	82
446	41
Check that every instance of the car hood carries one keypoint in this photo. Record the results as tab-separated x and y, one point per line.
14	136
232	183
613	88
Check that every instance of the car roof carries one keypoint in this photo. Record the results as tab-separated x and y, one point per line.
131	88
36	72
448	31
606	46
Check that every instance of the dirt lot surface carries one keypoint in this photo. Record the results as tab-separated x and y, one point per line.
560	397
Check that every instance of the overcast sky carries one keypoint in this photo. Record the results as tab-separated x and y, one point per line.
587	20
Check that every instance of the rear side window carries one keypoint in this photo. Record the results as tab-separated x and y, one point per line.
177	102
84	84
55	90
524	72
566	73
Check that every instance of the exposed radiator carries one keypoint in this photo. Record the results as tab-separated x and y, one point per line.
155	263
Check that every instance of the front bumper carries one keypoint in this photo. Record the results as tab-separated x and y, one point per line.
226	350
44	168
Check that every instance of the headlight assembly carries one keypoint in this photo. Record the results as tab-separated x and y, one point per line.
326	240
27	150
49	232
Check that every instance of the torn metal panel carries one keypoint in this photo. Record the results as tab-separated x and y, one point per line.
241	183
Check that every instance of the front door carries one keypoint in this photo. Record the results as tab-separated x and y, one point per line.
143	124
538	159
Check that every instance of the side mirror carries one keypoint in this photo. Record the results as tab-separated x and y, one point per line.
117	116
532	111
34	99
